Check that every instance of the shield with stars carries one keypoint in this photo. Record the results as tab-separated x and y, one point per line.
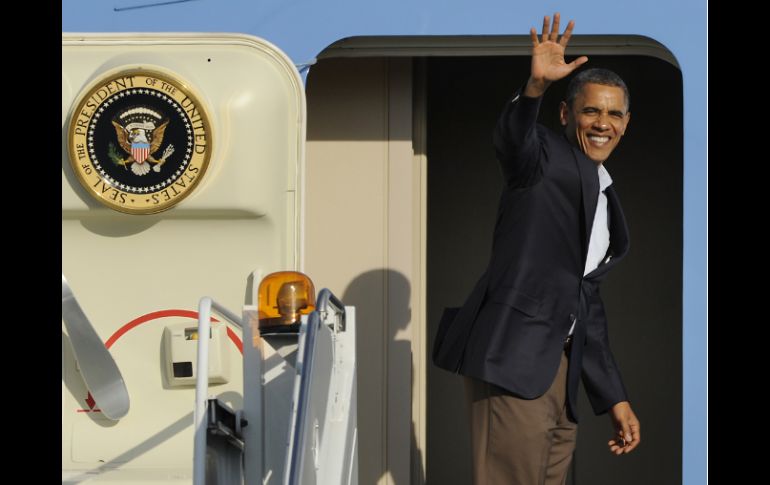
139	141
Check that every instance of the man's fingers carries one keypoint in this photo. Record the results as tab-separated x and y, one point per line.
555	28
631	447
614	448
624	434
546	24
533	36
580	61
626	441
567	34
577	62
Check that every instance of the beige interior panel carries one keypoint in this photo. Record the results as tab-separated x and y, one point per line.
363	241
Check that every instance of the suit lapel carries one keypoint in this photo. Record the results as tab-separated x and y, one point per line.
589	188
589	185
618	235
618	228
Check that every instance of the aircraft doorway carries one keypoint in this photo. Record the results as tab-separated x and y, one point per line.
643	294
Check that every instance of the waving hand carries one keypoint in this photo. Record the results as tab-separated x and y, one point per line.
548	63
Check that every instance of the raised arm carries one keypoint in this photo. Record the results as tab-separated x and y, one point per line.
516	138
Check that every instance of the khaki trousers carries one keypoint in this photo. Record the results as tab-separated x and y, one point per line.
520	441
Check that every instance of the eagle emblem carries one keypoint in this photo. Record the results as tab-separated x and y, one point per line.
139	141
140	133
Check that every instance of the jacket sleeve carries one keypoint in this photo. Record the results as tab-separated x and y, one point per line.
600	373
518	142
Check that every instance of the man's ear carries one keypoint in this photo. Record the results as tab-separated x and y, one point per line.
563	113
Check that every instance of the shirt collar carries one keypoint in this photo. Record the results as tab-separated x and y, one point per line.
604	178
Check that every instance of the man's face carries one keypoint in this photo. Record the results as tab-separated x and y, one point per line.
597	120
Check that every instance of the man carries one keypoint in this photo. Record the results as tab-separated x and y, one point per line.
535	321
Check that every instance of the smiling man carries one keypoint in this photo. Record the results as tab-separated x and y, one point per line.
535	325
595	113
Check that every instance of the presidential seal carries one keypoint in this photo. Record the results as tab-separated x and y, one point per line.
139	141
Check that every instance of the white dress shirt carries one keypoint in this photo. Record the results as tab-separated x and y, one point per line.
599	242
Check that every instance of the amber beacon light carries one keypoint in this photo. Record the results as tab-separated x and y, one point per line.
283	298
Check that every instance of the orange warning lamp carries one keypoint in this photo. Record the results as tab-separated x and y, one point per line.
283	297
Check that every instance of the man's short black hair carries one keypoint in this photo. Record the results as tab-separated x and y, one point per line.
596	75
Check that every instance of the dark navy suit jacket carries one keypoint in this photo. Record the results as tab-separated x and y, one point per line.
510	331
